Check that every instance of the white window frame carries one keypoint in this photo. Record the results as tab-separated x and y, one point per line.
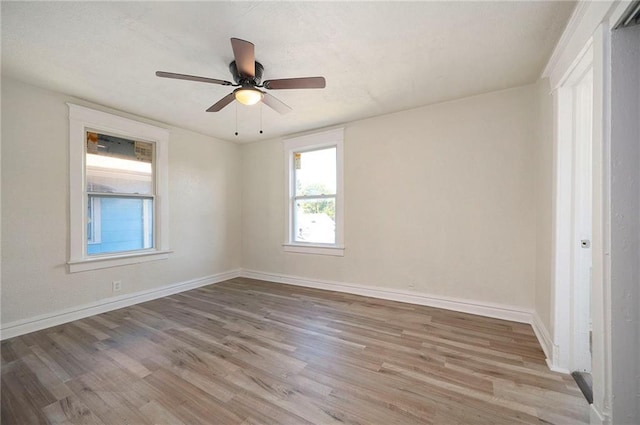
311	142
82	119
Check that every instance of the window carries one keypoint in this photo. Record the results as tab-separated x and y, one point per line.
314	218
118	190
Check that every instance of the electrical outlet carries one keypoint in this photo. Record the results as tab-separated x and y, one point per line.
116	285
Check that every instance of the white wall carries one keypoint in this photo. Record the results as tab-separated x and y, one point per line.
625	225
544	146
204	195
439	200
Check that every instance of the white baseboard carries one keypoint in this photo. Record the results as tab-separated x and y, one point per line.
543	336
554	368
596	417
549	348
498	311
20	327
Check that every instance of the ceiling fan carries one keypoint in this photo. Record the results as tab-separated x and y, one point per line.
247	74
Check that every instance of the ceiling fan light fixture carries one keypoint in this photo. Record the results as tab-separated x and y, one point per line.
248	96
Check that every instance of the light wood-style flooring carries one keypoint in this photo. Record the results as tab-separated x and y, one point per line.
252	352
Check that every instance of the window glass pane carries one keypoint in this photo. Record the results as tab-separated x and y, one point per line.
314	220
117	165
117	224
315	172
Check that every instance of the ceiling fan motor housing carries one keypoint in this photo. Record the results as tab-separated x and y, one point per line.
242	79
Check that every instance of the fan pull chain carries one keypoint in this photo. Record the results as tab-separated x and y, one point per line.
261	117
236	118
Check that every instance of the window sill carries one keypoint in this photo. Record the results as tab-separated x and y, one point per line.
336	251
104	262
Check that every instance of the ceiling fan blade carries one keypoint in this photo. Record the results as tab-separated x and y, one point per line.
222	103
276	104
192	78
243	52
296	83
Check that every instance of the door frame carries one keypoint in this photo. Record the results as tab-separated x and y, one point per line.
567	301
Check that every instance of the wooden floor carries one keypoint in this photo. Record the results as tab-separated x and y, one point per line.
251	352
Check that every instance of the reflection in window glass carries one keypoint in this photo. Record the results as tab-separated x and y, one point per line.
314	220
124	224
314	209
315	172
120	194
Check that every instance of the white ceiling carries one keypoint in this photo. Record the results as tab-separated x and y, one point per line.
377	57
